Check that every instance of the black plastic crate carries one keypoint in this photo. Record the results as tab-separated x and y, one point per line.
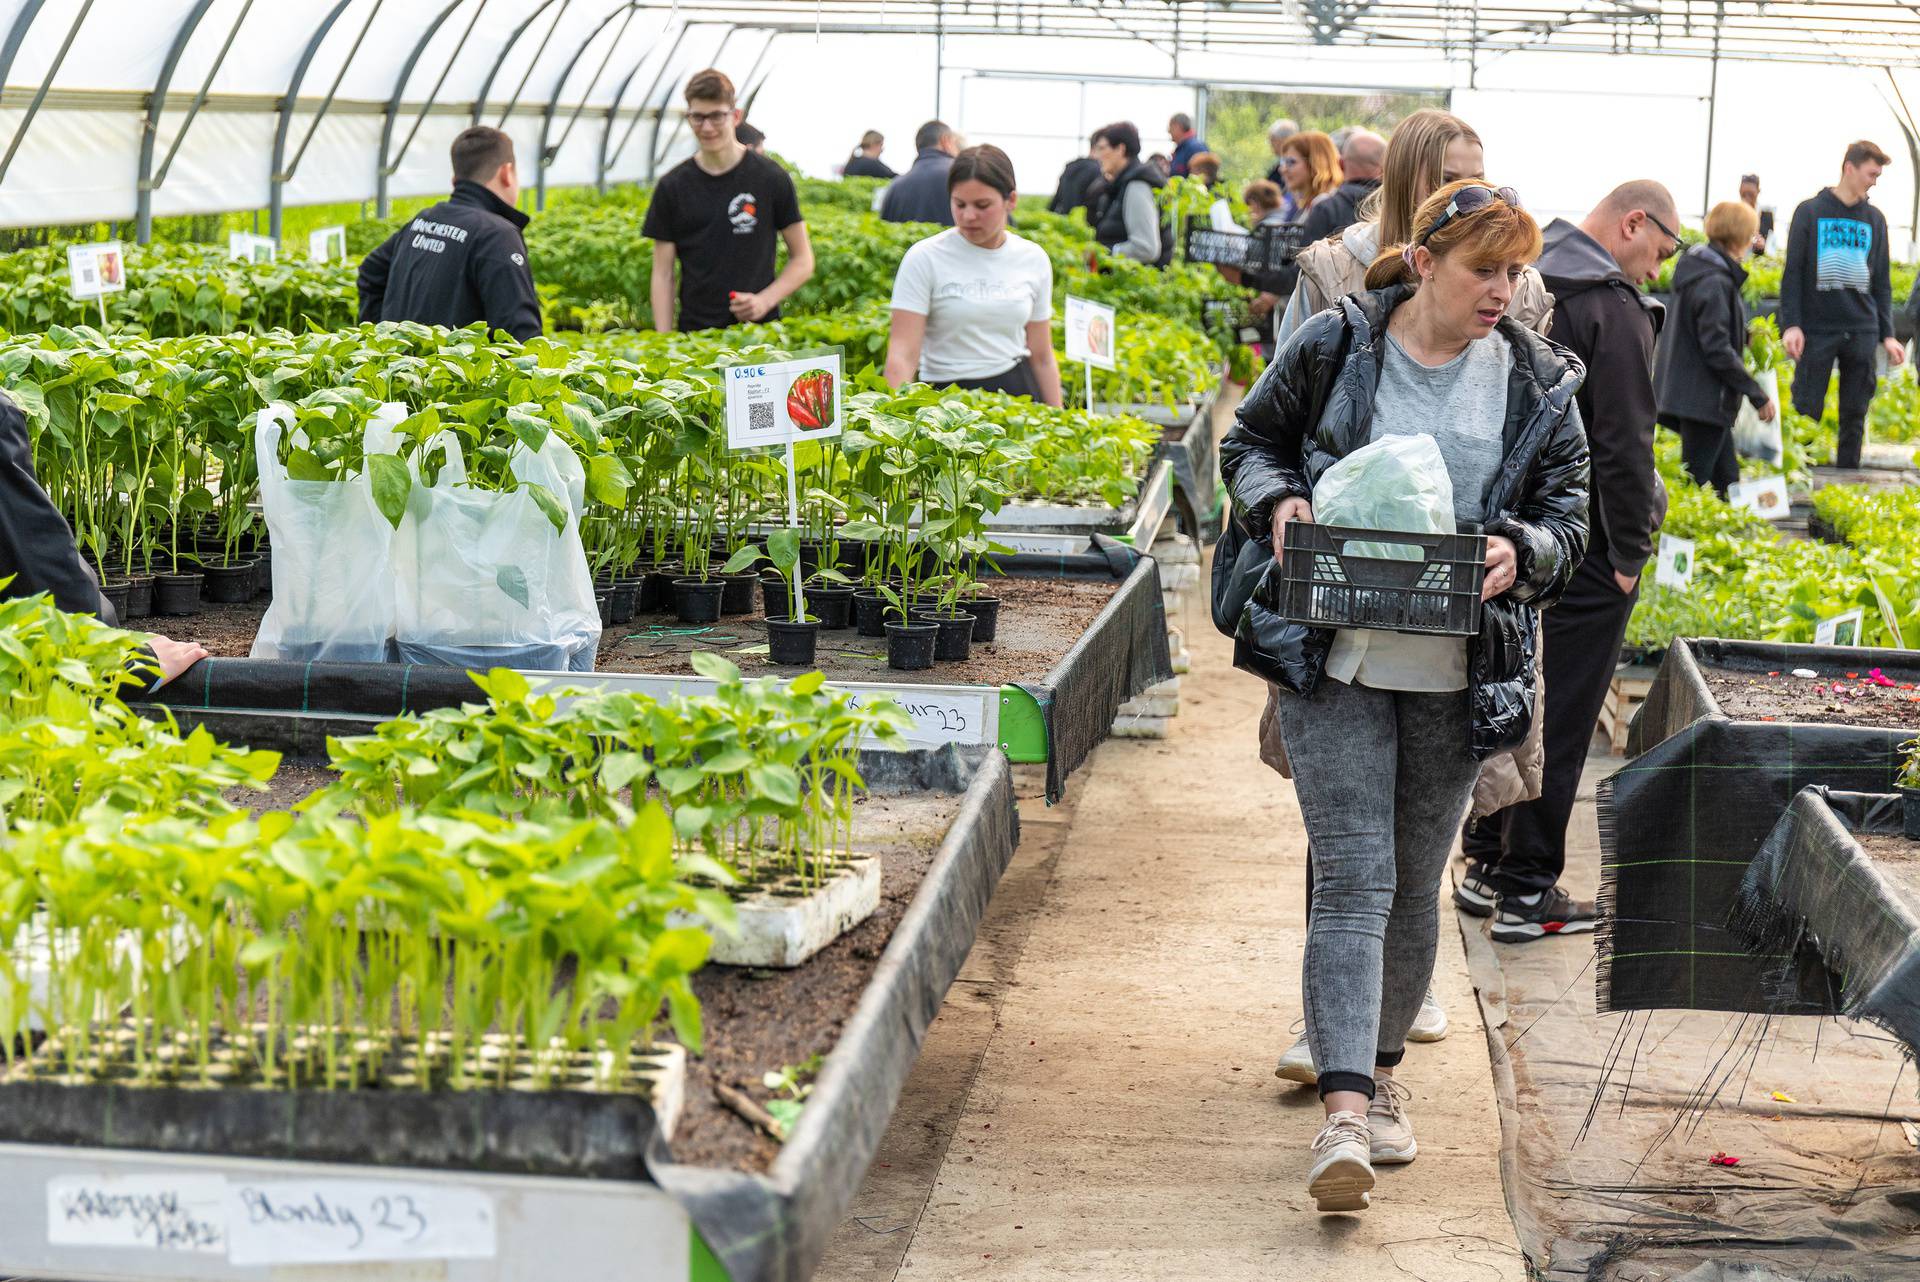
1437	594
1265	249
1233	317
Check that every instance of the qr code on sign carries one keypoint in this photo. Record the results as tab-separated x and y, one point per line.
760	416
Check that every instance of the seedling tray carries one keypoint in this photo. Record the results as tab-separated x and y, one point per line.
1134	522
1326	583
781	923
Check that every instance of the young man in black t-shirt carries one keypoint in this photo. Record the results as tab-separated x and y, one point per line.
717	214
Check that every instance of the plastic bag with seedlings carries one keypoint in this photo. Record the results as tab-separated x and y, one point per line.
1397	483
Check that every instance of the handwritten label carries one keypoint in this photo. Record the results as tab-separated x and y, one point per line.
937	717
343	1221
172	1213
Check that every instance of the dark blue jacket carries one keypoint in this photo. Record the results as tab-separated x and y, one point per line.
920	194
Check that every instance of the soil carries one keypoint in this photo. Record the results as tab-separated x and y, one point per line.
1040	619
1849	698
761	1021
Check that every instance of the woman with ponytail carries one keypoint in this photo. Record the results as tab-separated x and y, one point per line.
1386	731
865	161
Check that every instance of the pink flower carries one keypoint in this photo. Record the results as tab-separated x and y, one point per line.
1880	678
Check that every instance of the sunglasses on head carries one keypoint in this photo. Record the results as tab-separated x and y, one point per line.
1469	200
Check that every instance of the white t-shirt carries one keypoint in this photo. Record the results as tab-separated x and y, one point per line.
978	302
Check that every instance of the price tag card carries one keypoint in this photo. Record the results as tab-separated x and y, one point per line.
326	244
1675	566
1090	332
1841	629
251	248
173	1213
1766	496
96	269
782	402
344	1221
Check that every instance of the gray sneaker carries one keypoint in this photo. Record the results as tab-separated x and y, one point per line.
1388	1126
1297	1064
1430	1024
1342	1175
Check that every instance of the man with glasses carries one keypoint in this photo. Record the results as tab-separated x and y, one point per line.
716	214
1594	270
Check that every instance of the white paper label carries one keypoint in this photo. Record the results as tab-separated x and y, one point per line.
1090	332
1766	496
343	1221
1841	629
1675	566
326	244
173	1213
251	248
770	405
93	270
938	716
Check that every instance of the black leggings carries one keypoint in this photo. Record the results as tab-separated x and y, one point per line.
1707	449
1018	381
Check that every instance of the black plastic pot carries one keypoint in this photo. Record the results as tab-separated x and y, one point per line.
656	588
626	595
263	573
910	645
870	611
955	642
697	600
776	594
115	593
139	596
986	616
604	599
1910	813
229	583
791	641
737	594
177	593
833	602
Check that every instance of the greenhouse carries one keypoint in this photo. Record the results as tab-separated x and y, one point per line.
869	639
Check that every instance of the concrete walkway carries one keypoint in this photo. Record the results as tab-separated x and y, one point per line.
1097	1099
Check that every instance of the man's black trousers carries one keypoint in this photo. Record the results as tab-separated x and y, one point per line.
1857	354
1524	847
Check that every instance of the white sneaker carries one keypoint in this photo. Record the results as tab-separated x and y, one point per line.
1342	1174
1391	1132
1297	1064
1430	1025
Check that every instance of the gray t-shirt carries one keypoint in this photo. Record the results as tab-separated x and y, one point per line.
1462	405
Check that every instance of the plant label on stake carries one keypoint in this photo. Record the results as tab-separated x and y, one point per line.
1841	629
1090	337
327	243
780	404
1764	497
251	248
1675	566
96	270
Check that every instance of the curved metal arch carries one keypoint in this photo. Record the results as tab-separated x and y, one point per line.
22	22
544	156
486	86
640	113
17	34
148	180
656	151
286	108
385	170
533	63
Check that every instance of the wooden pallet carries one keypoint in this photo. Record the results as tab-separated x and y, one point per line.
1624	697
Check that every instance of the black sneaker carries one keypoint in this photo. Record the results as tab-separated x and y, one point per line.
1475	894
1556	913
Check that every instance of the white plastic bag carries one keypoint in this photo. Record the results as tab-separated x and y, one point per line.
1396	483
332	552
483	579
1753	438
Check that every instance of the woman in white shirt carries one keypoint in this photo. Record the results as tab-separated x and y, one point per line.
973	305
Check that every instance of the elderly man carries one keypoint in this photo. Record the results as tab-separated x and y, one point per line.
1360	160
1277	134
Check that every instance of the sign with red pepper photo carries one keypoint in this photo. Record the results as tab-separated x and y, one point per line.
774	404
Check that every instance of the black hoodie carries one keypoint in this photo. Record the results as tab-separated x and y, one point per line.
1610	325
1701	374
1837	278
455	263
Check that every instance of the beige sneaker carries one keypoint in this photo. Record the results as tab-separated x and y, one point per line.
1342	1175
1297	1064
1387	1123
1430	1024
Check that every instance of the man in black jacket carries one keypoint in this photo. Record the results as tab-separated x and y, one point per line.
1594	271
920	194
1361	159
1077	183
37	552
1836	298
462	260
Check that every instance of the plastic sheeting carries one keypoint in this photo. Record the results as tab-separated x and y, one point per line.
1681	822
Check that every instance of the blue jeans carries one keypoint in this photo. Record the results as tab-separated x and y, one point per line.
1384	778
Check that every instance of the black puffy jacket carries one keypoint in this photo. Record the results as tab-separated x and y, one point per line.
1314	405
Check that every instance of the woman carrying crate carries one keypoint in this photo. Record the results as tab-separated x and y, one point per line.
1386	730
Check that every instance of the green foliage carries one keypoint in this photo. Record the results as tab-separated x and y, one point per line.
1238	119
180	289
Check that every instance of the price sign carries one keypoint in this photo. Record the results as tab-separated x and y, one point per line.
1090	332
326	244
168	1213
1841	629
344	1221
782	402
1675	566
96	270
1766	496
250	248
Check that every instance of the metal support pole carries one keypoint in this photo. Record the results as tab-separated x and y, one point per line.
53	69
286	106
749	86
147	179
17	33
658	153
276	203
480	103
666	64
383	207
1713	103
939	52
546	153
539	53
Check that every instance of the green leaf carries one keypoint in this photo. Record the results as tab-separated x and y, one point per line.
512	580
392	483
548	504
713	667
777	782
608	479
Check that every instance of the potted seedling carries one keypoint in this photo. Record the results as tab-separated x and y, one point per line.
1908	783
791	637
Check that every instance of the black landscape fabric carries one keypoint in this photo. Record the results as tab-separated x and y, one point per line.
774	1227
1196	465
1680	823
1812	887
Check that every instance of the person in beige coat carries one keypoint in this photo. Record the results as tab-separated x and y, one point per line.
1429	149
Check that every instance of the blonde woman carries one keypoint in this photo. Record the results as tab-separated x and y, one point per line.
1310	167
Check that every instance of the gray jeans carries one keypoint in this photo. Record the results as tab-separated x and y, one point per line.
1384	778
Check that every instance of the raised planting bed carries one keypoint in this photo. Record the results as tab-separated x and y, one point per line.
1186	441
1078	634
217	1188
1680	822
1134	522
1838	879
